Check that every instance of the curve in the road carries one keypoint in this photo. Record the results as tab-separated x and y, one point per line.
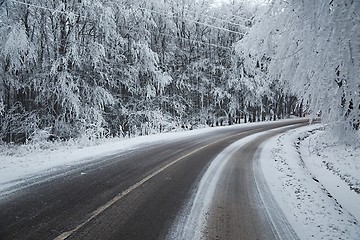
132	195
118	197
228	203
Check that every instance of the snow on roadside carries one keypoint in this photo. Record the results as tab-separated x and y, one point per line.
21	163
315	182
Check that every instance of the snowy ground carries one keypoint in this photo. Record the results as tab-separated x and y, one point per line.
316	182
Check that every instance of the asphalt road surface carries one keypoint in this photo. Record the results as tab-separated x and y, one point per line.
156	193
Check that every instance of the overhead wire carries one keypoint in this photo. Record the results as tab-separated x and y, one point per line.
225	14
216	18
189	20
213	17
45	8
75	14
231	15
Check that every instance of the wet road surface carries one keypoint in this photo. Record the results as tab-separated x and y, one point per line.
140	194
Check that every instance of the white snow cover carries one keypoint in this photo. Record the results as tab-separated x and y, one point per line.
316	182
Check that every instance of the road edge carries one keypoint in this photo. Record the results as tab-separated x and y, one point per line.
280	224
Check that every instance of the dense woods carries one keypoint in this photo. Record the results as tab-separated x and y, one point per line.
314	51
102	68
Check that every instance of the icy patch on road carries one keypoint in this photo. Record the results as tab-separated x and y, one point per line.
315	182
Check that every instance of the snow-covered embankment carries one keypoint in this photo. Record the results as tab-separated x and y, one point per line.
316	182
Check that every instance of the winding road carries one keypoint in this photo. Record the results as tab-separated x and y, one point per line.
205	186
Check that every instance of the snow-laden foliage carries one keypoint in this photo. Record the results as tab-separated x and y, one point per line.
92	69
17	50
313	49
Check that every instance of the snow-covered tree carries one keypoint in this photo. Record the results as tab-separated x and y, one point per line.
98	67
314	51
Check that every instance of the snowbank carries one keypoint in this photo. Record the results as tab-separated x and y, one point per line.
315	180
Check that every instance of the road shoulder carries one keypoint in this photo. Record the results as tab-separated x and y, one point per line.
310	195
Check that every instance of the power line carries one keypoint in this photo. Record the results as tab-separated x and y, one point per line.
289	55
45	8
189	20
75	14
213	17
216	18
184	19
231	15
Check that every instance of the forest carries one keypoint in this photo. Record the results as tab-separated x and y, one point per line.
124	68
